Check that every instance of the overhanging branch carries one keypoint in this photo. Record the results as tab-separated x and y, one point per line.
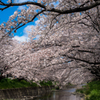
84	60
77	9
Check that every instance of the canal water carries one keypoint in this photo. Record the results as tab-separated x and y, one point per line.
64	94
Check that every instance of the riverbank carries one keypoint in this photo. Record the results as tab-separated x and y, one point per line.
91	91
24	93
23	89
7	83
18	89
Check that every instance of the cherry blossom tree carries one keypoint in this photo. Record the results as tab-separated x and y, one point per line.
53	8
67	46
60	54
5	43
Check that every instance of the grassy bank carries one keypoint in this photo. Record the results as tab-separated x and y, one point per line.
15	83
91	90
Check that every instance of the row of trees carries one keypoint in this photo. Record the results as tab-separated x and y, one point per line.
68	46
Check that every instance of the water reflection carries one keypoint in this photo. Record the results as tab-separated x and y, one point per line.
61	95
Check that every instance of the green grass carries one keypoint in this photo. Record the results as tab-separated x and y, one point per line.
15	83
91	90
48	83
69	84
7	83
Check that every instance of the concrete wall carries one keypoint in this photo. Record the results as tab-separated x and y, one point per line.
24	92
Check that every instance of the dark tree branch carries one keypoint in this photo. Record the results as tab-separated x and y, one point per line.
84	60
84	4
53	19
94	23
86	51
4	8
30	20
77	9
21	4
